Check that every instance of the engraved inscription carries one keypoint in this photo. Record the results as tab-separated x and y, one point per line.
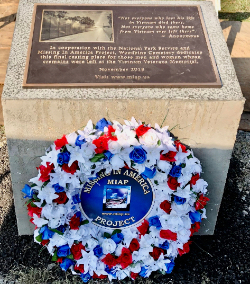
149	45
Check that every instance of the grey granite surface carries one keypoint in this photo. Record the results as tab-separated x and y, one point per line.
13	84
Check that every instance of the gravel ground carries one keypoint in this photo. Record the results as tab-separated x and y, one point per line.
221	258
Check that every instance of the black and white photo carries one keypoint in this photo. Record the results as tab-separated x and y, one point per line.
77	26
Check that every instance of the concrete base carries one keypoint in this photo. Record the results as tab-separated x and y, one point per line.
206	119
209	127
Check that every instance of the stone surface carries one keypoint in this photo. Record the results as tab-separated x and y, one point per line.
1	108
229	91
206	119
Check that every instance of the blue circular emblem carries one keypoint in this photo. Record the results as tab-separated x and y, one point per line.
118	199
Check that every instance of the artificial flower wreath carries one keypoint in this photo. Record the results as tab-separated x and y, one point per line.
95	252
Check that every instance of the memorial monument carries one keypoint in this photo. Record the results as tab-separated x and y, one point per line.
164	62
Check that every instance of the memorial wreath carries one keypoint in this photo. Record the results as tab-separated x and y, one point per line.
114	200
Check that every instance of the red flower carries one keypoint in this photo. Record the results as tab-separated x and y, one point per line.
156	253
61	142
140	130
59	260
44	242
62	198
195	228
133	275
45	171
76	250
201	202
143	228
169	156
95	276
34	210
72	169
109	260
111	132
173	183
101	144
185	249
79	268
194	179
125	259
166	206
169	235
134	245
74	223
179	145
126	166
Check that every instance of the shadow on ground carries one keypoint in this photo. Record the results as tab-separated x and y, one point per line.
222	258
237	16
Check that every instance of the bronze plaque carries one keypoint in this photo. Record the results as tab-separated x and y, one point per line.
119	45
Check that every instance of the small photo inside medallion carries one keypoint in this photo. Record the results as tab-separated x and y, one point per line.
77	26
116	198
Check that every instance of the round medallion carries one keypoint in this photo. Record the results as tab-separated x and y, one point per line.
118	199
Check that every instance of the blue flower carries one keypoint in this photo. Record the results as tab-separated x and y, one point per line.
175	171
63	158
169	267
110	271
66	263
28	191
143	272
61	228
98	251
195	217
58	188
102	123
85	277
46	233
117	238
76	198
79	215
108	155
179	200
138	155
165	245
63	251
154	221
79	142
148	173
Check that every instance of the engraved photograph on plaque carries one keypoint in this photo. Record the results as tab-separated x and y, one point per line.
77	26
119	46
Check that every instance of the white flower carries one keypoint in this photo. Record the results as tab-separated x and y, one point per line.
127	138
184	193
71	138
118	250
89	260
39	221
183	235
92	243
108	246
149	138
200	186
114	147
76	154
47	194
116	162
164	166
88	150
